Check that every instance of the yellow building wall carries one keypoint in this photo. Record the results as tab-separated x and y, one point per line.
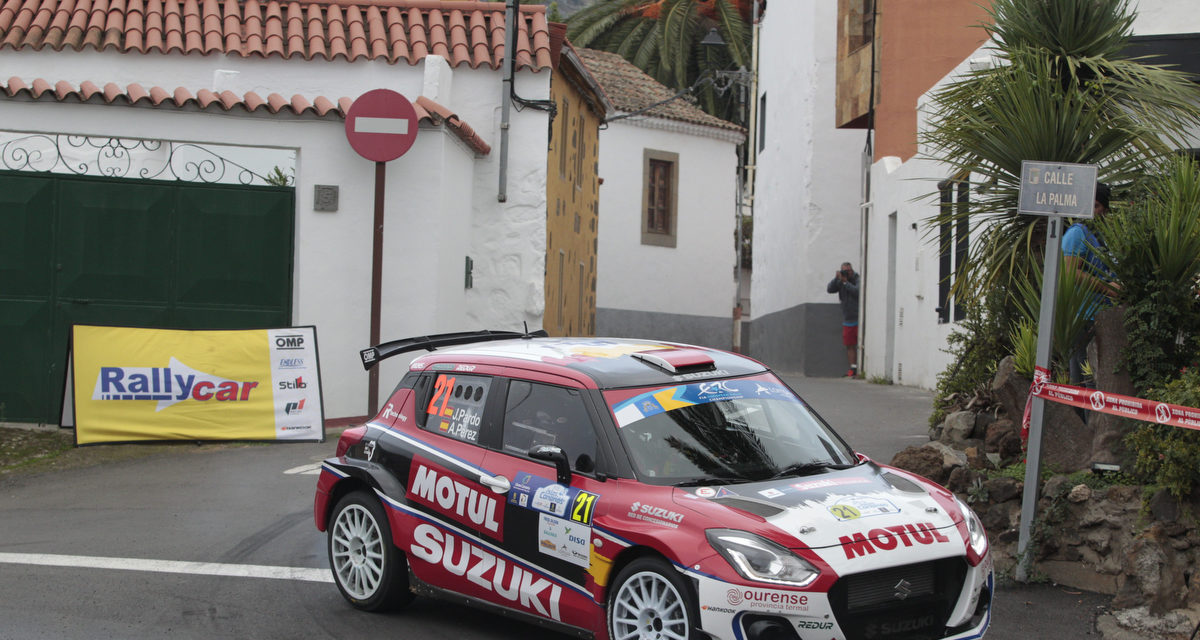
572	209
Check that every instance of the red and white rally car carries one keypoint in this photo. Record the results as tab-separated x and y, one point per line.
637	489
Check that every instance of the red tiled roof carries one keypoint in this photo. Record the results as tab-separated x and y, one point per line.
467	32
630	89
62	91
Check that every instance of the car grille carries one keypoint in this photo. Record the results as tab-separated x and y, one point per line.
911	602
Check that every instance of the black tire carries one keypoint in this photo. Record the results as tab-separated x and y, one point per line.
668	609
369	570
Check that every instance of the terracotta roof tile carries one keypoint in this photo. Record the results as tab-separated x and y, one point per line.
630	89
206	99
469	32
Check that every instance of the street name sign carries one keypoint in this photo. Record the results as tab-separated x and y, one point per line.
1057	188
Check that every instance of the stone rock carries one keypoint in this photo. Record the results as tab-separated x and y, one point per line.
1003	489
996	432
1122	494
977	459
996	518
982	422
935	433
1153	575
1010	389
958	427
1140	624
951	457
1055	486
1079	493
1163	506
1108	440
961	479
1099	539
921	461
1066	440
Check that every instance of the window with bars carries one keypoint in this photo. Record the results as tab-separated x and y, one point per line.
659	197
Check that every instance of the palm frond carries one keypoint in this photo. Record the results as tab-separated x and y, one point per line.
680	22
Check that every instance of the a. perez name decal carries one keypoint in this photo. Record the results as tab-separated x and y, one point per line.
456	497
489	572
656	515
889	538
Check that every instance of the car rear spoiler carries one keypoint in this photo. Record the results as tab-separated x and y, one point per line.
373	355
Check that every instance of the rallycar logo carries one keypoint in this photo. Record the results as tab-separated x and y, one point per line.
168	385
888	538
489	572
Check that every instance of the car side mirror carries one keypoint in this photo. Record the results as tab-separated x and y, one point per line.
551	453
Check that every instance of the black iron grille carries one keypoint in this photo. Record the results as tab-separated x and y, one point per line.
910	602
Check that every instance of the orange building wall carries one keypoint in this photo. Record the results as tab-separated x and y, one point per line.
922	40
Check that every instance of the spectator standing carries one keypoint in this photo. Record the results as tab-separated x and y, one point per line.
1081	247
845	285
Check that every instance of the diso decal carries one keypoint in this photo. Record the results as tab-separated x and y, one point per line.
511	582
889	538
168	385
456	497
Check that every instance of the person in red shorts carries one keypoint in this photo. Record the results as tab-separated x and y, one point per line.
845	284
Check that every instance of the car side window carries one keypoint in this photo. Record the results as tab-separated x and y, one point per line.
454	405
538	414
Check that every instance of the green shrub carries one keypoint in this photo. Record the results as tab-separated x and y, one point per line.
1170	456
978	343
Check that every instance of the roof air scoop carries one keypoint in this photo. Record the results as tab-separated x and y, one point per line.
677	360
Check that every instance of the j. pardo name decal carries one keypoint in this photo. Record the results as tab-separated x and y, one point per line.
888	538
168	385
456	497
486	570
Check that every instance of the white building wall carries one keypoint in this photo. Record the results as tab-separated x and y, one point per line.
915	354
691	283
441	200
807	192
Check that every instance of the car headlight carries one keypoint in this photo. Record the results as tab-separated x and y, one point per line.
756	558
976	536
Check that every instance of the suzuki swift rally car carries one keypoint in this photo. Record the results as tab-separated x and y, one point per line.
622	489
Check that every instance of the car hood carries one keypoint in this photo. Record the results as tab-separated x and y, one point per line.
831	508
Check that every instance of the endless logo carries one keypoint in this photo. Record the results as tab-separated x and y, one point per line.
168	385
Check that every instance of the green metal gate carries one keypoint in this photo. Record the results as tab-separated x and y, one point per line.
140	253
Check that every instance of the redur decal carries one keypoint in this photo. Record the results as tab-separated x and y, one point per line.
888	538
168	385
456	497
510	581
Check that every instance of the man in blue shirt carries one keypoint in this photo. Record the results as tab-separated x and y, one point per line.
1080	247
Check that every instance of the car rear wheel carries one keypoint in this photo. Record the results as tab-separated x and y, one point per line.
650	601
369	570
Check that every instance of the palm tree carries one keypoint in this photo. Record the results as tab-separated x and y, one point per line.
1064	91
662	38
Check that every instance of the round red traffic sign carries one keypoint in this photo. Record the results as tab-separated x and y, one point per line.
381	125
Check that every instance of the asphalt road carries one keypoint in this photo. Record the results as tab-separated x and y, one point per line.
140	548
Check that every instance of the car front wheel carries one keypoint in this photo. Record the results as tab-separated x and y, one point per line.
650	601
369	570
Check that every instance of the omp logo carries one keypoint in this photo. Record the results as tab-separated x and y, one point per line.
889	538
298	383
286	342
168	385
291	363
293	407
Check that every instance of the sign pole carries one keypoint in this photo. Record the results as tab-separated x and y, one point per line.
376	283
1037	414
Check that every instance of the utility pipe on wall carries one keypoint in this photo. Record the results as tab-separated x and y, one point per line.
510	54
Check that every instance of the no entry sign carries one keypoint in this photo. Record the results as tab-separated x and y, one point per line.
381	125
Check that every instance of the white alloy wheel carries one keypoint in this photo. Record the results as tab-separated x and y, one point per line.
647	606
356	551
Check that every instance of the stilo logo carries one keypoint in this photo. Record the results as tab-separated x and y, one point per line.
734	596
298	383
293	407
1097	399
168	385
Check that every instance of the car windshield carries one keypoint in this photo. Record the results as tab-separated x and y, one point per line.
724	431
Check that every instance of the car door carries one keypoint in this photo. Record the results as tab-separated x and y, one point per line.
548	523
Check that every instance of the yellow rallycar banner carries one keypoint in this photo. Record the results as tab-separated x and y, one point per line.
133	385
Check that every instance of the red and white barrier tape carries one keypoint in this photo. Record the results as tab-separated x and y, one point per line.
1110	403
